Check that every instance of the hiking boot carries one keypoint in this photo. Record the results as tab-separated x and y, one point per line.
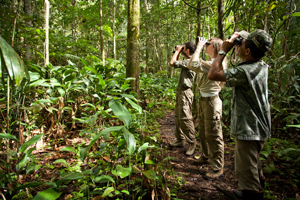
201	161
213	175
237	193
177	143
191	149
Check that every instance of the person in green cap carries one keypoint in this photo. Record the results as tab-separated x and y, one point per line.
250	115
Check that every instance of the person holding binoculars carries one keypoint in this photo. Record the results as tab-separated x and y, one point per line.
250	115
209	109
185	130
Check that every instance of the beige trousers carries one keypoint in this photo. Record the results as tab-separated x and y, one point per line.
185	129
248	168
210	131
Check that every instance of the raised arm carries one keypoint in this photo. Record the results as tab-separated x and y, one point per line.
216	71
175	55
195	56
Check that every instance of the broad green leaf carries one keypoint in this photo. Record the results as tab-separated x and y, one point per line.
30	142
297	14
265	153
72	176
121	112
13	63
104	179
104	132
8	136
61	91
151	162
49	194
71	149
29	185
144	146
83	152
22	163
150	174
107	191
130	140
285	151
134	105
121	171
126	192
63	161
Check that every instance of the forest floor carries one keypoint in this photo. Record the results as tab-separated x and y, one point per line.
194	186
192	176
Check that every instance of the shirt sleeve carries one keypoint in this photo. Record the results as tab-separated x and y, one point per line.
235	76
181	64
200	66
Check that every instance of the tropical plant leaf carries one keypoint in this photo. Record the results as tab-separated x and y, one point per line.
8	136
13	63
122	171
134	105
49	194
30	142
63	161
71	149
150	174
144	147
104	179
121	112
130	140
108	190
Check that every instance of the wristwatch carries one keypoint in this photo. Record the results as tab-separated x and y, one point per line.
222	52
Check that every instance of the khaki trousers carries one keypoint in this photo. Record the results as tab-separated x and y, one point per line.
210	131
185	129
248	168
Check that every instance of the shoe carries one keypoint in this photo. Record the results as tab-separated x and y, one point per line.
237	193
201	161
191	149
250	195
177	143
213	175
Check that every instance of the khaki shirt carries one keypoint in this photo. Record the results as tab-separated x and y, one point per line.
250	116
206	87
187	76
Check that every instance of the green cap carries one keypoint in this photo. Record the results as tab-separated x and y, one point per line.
261	39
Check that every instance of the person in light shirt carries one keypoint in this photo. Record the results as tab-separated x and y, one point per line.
210	108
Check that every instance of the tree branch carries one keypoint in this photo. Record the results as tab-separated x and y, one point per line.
195	7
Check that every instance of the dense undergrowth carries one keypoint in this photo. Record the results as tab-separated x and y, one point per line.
117	153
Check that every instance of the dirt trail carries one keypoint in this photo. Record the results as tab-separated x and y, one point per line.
195	185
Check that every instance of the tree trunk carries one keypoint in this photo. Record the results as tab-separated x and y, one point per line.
147	39
198	18
15	23
114	30
47	6
220	18
28	23
101	33
133	50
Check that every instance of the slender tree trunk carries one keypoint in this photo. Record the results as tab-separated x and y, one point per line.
28	23
198	18
133	50
220	18
47	6
114	30
101	33
15	23
147	38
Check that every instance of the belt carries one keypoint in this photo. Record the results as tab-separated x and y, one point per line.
209	98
